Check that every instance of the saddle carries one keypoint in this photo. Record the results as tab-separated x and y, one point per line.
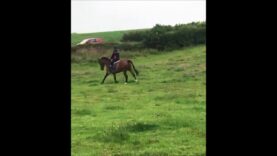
113	66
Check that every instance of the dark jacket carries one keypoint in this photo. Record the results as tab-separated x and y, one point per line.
115	57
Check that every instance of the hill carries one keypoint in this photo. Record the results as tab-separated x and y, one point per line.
112	36
164	113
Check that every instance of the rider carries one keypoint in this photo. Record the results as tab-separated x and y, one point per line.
115	57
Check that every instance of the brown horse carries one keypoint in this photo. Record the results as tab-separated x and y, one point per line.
120	66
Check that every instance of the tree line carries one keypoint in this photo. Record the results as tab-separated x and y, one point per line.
163	37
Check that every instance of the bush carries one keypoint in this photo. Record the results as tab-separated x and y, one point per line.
136	36
166	37
163	37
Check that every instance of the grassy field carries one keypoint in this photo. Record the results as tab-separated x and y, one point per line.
113	36
164	113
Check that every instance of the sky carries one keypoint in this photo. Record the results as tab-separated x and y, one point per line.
110	15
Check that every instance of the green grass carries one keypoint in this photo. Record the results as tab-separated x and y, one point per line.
163	114
112	36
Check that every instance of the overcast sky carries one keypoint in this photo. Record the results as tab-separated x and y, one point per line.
109	15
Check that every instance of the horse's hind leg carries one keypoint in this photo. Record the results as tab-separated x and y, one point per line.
126	76
114	76
133	75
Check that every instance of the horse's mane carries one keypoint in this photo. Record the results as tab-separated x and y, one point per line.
105	58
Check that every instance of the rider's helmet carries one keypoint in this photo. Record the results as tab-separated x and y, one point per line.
115	49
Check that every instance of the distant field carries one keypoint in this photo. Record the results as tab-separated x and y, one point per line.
113	36
164	114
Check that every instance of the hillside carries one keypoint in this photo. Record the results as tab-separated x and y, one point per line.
164	113
112	36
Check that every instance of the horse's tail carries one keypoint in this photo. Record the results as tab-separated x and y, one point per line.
137	73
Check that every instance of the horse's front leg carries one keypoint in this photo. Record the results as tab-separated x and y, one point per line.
114	76
104	78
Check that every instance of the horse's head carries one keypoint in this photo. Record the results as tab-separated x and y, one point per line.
104	61
101	63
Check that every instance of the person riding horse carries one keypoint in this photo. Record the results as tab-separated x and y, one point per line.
115	57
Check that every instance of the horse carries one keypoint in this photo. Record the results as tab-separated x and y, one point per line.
120	66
